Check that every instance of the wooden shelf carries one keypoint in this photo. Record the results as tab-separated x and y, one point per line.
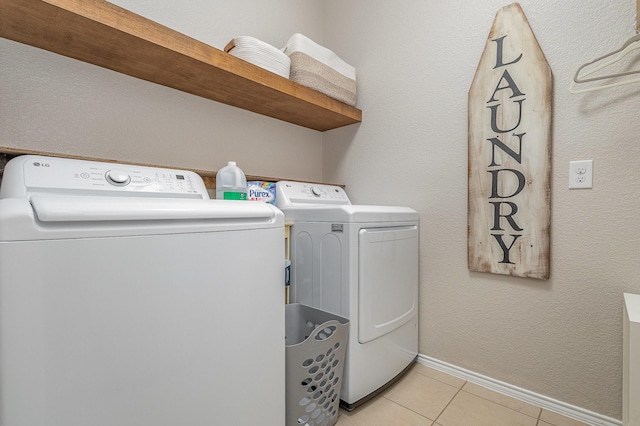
106	35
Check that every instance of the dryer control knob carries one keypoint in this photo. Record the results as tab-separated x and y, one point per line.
315	191
118	177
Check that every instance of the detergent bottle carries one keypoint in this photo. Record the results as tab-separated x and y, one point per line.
231	183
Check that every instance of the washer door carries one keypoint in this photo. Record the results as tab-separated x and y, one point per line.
388	280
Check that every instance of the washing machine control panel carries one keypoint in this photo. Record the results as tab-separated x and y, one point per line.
62	176
293	193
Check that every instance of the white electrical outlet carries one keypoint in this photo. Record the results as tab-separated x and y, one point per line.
581	174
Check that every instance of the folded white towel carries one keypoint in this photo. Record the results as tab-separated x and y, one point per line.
301	43
260	54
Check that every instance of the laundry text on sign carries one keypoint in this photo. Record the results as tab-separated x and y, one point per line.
505	208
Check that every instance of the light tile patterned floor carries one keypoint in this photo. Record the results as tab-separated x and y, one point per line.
427	397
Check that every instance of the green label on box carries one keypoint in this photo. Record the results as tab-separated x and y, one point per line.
235	195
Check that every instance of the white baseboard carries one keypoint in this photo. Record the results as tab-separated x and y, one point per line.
568	410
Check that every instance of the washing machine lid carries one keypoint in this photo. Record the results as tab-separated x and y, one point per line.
349	213
52	198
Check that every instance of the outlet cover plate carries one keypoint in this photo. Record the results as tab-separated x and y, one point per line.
581	174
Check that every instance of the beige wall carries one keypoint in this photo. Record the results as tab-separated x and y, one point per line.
415	60
52	103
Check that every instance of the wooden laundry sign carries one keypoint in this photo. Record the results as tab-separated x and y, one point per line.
509	201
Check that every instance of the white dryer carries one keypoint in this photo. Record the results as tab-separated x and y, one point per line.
129	298
360	262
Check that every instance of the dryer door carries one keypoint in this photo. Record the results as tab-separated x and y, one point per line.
388	280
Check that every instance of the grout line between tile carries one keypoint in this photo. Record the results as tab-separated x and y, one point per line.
442	381
539	415
449	403
407	408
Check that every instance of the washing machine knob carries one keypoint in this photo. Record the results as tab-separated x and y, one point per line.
315	191
118	177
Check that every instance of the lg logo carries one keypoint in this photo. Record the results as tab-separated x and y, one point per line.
37	164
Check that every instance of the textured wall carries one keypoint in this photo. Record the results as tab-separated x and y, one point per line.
415	61
52	103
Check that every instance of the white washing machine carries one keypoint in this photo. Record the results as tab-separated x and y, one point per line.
360	262
129	298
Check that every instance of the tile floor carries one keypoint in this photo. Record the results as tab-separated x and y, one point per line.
427	397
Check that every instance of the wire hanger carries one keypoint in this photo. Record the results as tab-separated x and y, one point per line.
629	46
